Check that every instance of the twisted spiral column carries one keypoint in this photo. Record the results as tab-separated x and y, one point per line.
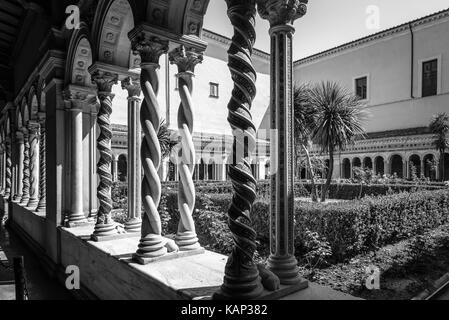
2	168
26	169
33	129
104	226
241	280
186	60
151	243
42	167
8	164
18	167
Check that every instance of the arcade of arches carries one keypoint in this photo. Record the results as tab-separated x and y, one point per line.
58	164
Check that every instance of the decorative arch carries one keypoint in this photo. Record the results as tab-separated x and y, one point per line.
346	168
79	58
34	103
25	111
114	19
42	95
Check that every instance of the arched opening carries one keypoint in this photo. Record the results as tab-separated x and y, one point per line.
380	168
122	168
346	168
114	46
356	162
82	60
414	166
211	170
430	167
397	166
303	173
201	170
368	163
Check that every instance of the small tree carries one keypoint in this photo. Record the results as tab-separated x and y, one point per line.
168	144
440	127
338	117
304	117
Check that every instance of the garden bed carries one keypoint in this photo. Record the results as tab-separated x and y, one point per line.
406	268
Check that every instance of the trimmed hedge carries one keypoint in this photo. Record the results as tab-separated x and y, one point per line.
356	226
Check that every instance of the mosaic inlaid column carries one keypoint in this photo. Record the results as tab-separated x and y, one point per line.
134	221
150	49
241	279
33	132
104	225
41	207
114	168
8	167
281	15
26	168
2	168
186	59
18	189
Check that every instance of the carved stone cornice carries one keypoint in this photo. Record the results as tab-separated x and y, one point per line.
150	48
280	12
186	58
77	97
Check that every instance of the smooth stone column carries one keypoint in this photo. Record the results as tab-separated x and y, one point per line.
33	129
134	221
114	169
19	168
281	15
76	208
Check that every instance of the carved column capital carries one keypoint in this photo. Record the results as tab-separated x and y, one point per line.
133	87
33	128
281	12
185	58
150	48
104	81
19	136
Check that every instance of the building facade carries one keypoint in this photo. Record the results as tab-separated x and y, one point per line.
402	74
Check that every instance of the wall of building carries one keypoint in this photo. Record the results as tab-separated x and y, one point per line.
387	64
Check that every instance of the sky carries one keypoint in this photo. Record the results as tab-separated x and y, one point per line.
329	23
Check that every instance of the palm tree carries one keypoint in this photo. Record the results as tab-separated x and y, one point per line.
304	118
440	127
338	121
166	142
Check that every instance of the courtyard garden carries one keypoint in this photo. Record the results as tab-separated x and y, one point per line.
401	228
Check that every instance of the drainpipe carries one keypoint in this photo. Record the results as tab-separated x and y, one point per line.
412	63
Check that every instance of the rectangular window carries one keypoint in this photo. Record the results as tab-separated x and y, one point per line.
361	85
213	90
429	78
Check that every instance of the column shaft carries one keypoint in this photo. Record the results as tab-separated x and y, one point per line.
41	207
134	221
76	162
34	165
19	168
26	169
